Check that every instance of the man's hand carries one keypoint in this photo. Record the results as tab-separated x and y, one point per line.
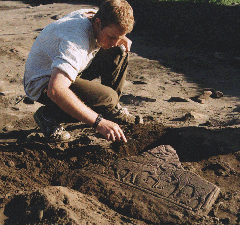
111	131
126	42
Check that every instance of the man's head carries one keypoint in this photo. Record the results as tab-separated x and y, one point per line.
117	12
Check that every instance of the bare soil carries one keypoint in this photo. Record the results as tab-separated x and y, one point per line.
163	85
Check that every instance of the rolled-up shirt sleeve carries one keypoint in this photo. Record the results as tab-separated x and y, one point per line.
70	59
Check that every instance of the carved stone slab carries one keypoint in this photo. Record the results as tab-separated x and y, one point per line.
160	172
154	179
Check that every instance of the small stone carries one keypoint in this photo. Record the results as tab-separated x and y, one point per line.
200	118
10	163
215	94
203	97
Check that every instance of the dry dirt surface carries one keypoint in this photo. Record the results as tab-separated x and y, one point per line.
189	99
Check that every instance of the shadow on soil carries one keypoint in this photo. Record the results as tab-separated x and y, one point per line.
199	40
192	144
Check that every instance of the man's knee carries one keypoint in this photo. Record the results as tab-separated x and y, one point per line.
111	99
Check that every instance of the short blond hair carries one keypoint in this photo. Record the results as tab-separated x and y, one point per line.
117	12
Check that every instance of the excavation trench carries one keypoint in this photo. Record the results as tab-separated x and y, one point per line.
142	179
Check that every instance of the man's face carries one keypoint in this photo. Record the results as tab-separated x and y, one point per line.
109	36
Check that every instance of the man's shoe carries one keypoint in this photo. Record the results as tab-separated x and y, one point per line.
51	130
122	116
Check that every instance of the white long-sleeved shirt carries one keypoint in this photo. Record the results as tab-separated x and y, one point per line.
67	44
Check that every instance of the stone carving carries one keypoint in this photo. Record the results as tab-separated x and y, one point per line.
158	172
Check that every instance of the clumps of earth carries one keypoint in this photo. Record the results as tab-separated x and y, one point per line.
188	96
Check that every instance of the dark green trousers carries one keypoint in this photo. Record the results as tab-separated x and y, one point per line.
111	66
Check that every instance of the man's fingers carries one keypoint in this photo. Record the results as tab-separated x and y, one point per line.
112	133
126	42
120	136
117	135
108	137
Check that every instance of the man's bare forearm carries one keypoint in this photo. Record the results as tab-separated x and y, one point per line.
59	92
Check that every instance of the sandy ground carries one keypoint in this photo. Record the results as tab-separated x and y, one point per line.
193	93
